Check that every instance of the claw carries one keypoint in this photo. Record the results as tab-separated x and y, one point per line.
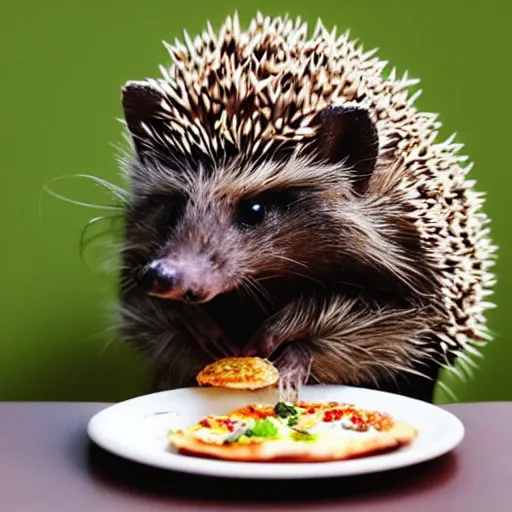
217	345
215	348
212	339
294	365
289	387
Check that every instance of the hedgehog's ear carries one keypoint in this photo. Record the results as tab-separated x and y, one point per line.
347	134
141	104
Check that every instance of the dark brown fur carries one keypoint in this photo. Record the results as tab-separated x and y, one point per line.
371	262
332	286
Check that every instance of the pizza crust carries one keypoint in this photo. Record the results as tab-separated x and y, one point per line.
289	451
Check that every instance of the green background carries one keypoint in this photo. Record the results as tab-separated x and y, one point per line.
62	66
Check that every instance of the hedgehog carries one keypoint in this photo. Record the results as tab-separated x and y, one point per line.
287	200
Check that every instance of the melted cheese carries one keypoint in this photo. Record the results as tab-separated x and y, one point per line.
341	428
325	431
209	436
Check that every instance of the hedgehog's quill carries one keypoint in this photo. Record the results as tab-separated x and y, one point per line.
288	200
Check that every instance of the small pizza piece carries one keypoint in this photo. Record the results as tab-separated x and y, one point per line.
239	373
311	432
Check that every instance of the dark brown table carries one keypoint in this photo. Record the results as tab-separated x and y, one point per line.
48	464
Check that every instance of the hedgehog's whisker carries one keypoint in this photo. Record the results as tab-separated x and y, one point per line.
291	260
252	284
246	288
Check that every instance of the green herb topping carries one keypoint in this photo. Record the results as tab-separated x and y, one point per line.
284	410
292	420
300	435
262	428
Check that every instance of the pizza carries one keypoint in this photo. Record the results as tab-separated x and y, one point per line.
303	432
239	373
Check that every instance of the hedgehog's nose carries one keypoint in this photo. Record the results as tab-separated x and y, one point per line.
170	281
160	280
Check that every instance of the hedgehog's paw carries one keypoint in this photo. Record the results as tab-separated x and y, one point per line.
263	344
212	339
217	346
294	365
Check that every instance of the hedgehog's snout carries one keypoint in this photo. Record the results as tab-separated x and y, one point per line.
159	279
177	280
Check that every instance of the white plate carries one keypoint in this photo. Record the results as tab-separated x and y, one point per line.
136	429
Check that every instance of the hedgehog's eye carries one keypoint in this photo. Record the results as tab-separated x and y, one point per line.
251	212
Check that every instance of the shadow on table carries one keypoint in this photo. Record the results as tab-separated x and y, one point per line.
133	477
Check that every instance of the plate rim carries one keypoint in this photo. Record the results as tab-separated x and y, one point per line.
266	470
